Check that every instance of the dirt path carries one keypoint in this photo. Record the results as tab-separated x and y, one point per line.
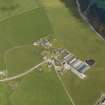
23	74
66	90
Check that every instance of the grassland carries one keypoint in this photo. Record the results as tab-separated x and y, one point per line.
31	22
18	30
9	8
22	30
36	88
84	43
40	88
17	59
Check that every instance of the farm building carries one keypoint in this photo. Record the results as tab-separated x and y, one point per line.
43	42
70	62
101	100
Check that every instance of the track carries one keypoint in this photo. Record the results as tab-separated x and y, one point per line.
66	90
23	74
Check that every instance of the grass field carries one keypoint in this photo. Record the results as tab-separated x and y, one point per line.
39	18
17	59
18	30
40	88
22	30
80	40
9	8
36	88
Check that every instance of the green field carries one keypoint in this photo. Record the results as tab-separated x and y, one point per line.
18	30
84	43
10	8
30	21
40	88
22	59
22	30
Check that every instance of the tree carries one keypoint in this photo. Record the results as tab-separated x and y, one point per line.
8	5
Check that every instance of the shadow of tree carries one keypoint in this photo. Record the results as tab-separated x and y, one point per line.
72	7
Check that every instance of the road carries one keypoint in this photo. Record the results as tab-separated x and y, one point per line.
23	74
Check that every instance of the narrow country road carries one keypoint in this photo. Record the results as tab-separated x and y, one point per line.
23	74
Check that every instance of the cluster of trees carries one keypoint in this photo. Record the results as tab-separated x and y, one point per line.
87	4
8	5
100	3
94	10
